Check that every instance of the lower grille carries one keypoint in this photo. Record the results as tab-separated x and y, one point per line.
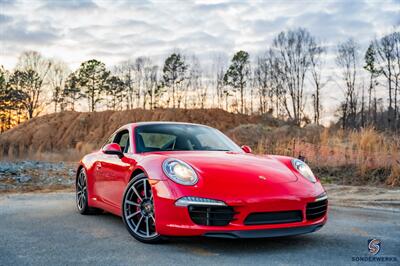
274	217
206	215
316	210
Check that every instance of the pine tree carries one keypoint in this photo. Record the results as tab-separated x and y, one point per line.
174	73
238	74
93	77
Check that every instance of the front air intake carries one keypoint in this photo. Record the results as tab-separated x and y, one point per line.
274	217
210	215
316	209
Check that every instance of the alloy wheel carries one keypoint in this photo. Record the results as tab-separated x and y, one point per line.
139	210
81	191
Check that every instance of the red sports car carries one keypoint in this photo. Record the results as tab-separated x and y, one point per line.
179	179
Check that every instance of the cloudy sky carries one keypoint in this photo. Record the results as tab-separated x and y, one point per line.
77	30
112	31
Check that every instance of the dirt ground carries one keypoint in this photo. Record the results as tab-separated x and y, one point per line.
28	176
364	196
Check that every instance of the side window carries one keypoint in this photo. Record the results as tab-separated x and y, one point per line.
122	138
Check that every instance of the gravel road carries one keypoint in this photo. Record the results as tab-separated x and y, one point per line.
45	229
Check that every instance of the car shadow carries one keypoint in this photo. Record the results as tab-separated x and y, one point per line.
245	246
207	246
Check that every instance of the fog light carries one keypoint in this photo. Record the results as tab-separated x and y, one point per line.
186	201
322	196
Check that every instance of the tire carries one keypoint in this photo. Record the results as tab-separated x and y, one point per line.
138	211
82	195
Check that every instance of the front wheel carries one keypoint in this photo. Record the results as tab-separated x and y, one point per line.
138	211
82	195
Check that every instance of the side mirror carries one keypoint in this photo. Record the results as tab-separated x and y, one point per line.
246	149
113	149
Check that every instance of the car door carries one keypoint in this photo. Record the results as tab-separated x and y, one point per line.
98	175
116	171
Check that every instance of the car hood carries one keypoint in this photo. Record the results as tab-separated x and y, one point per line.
237	168
239	178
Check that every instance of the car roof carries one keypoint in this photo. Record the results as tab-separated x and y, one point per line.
132	126
162	123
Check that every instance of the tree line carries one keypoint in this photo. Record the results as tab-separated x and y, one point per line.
284	81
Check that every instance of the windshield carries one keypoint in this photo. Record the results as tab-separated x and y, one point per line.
181	137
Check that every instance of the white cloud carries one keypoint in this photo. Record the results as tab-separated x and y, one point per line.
113	31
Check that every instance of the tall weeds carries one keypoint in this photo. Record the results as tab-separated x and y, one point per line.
366	155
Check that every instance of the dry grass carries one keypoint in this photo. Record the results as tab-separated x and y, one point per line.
67	136
364	156
346	157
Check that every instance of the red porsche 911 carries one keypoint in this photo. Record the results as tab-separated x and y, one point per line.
180	179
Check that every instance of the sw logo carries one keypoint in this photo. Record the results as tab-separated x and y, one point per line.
374	246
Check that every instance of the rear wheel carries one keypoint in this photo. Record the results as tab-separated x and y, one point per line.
138	211
82	195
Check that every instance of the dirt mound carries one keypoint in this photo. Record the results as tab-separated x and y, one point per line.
74	133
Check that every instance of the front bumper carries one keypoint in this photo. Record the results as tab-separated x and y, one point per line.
172	220
265	233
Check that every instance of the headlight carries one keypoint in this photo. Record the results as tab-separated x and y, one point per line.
180	172
304	170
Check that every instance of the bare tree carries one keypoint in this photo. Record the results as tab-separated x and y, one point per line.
346	59
263	80
291	51
32	60
396	38
32	70
218	69
316	65
152	87
126	72
387	48
278	92
196	84
141	66
57	77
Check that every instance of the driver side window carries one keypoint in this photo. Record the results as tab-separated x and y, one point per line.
122	139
